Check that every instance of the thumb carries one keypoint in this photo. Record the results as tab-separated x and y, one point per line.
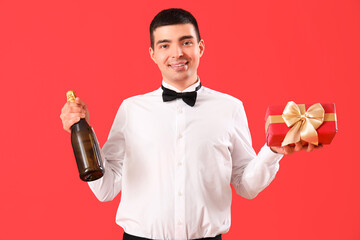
83	105
80	102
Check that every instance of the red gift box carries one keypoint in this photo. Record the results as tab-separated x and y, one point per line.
276	128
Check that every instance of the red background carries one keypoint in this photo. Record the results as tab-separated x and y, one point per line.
262	52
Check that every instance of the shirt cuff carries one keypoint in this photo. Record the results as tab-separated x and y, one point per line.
269	156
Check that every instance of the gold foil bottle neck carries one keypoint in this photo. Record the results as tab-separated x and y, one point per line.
71	95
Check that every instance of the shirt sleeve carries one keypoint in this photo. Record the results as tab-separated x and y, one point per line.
113	153
251	173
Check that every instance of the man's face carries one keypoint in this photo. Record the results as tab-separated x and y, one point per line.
177	52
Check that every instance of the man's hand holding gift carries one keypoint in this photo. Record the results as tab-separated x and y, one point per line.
298	129
289	149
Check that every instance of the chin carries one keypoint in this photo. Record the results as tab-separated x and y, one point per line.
184	76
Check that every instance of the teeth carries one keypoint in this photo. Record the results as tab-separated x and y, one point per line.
178	65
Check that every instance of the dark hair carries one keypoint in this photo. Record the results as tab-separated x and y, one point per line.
172	16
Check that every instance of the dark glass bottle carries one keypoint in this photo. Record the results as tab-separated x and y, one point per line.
86	148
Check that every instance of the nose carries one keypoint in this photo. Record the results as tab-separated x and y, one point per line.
177	51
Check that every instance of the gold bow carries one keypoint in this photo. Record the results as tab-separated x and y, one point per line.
303	124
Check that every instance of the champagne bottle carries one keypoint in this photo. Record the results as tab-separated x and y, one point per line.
86	148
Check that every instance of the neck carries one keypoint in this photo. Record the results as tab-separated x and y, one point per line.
182	85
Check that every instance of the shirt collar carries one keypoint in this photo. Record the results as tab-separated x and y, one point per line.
191	88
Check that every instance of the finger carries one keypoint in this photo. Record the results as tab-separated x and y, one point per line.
298	146
81	102
65	116
84	106
65	108
310	147
75	104
67	127
77	109
277	149
75	115
319	146
67	124
288	150
70	107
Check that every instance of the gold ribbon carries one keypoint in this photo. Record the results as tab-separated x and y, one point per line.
303	124
279	119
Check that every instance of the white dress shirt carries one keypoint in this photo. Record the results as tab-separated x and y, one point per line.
174	164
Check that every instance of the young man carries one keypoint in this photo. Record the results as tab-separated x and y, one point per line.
173	152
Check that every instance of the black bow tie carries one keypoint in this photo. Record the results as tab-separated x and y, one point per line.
188	97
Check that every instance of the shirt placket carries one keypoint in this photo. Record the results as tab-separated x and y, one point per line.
179	190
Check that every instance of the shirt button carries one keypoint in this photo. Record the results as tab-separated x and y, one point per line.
180	136
180	194
179	164
179	222
180	110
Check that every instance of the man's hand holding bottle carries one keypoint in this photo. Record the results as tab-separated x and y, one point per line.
72	112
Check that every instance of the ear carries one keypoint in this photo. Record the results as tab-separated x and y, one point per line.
201	47
151	51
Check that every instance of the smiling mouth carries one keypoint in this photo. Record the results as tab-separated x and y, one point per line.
179	66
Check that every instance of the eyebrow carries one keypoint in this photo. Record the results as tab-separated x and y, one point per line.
186	37
180	39
162	41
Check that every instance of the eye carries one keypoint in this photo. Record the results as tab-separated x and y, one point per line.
164	46
187	43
